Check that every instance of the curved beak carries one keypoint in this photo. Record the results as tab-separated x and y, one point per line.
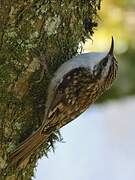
111	48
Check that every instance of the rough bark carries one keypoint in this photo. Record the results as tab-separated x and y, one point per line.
36	36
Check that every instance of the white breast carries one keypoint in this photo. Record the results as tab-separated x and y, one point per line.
88	60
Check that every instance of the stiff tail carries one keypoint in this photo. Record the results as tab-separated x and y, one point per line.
27	148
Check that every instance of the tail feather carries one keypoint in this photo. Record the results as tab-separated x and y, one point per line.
27	148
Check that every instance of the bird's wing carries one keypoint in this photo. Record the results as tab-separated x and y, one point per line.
70	85
72	81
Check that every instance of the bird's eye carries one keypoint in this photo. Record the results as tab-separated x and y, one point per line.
104	61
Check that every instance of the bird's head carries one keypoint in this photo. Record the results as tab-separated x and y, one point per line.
106	69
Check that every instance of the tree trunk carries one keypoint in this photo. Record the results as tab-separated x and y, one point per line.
36	37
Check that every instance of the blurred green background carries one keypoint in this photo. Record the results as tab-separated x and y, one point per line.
117	19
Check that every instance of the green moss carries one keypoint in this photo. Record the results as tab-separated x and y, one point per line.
51	32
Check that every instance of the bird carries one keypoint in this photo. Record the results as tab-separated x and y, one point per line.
75	85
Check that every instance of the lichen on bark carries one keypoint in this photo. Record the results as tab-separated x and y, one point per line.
36	37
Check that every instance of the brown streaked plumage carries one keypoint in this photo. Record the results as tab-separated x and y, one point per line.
75	86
